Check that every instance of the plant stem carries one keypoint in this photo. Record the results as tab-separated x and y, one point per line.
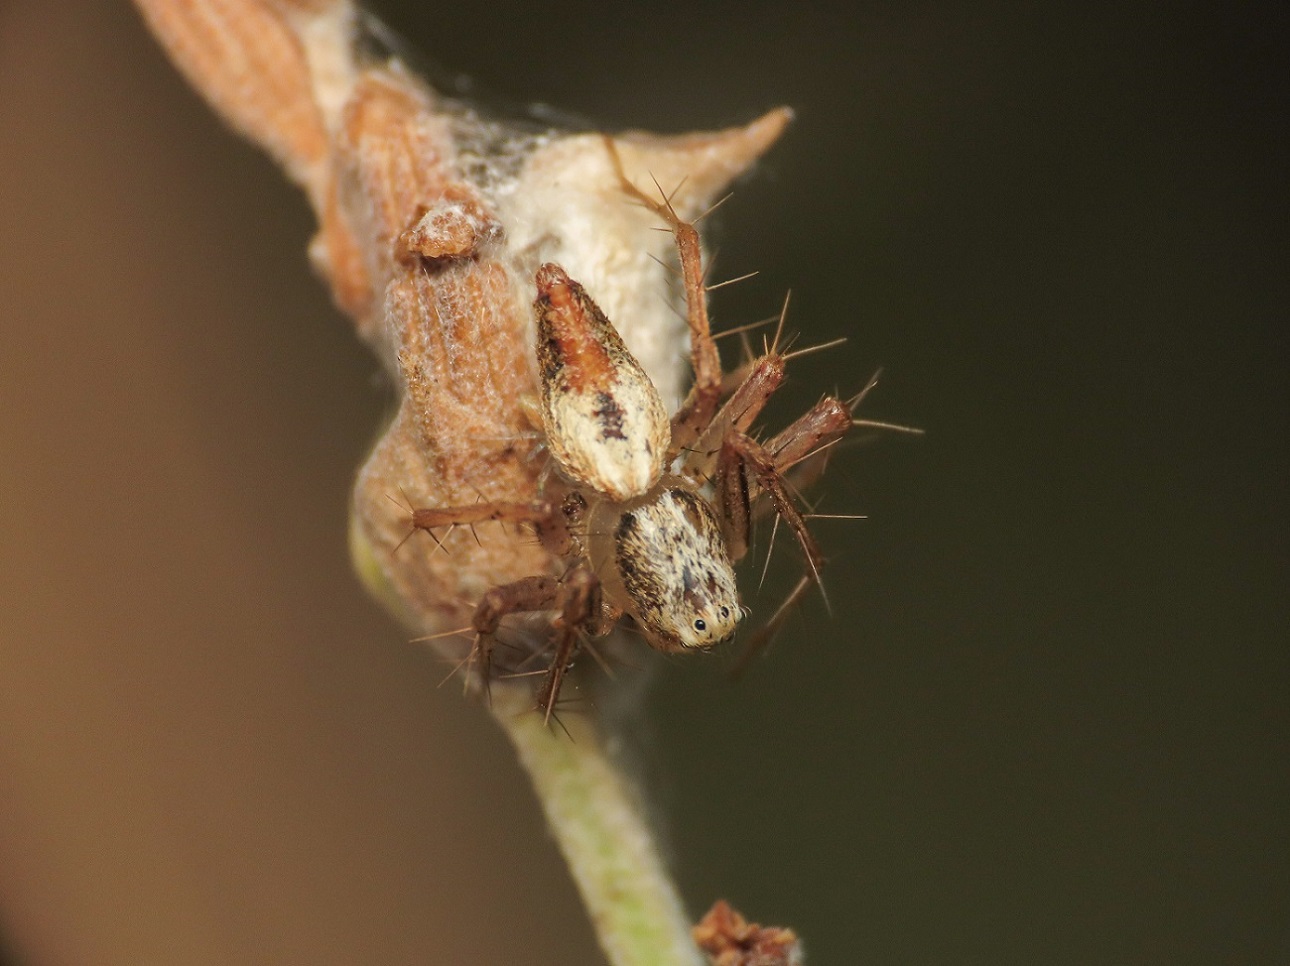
604	836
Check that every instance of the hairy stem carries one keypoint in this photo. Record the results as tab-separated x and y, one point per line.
608	844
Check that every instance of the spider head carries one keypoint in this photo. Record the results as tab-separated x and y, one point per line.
671	569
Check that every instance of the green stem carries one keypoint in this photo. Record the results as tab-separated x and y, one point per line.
604	836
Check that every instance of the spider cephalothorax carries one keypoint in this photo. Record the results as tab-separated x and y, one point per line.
647	513
665	559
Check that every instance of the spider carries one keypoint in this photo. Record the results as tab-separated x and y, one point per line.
649	513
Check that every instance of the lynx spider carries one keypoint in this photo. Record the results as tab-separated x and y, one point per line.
649	513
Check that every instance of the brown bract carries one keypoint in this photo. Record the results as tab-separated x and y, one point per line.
731	940
432	225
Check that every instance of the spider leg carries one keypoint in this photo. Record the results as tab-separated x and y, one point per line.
744	465
820	426
802	449
538	593
433	517
700	405
580	607
549	519
734	500
745	404
764	468
524	595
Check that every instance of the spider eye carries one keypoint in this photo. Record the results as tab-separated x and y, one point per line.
700	625
725	612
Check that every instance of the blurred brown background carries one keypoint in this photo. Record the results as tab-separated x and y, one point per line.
1048	720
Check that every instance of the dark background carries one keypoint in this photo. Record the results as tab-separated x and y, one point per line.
1047	721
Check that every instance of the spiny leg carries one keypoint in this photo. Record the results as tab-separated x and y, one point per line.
734	496
550	520
802	448
580	607
761	378
526	594
755	457
800	453
431	518
701	404
807	437
745	404
743	465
